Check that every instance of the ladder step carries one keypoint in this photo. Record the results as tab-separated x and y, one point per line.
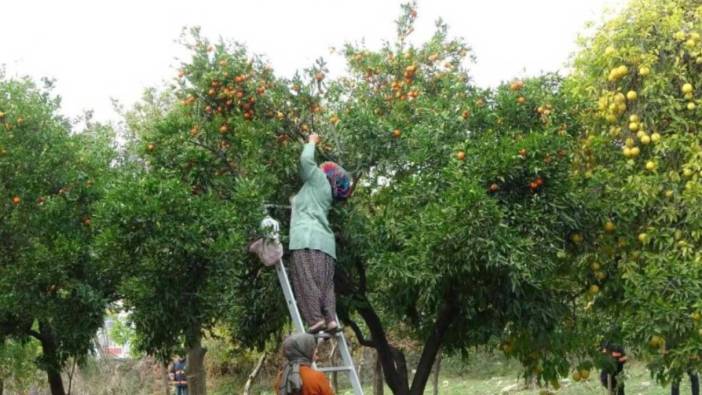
335	369
327	335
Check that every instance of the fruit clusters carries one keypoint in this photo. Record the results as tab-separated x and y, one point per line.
404	89
618	73
688	93
516	85
597	271
536	184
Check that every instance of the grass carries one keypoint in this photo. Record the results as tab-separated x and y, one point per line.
494	376
483	374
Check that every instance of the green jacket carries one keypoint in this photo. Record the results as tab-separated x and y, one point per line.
309	226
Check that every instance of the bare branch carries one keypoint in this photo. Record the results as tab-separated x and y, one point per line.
359	334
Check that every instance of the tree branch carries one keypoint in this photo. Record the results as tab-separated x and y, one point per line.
392	359
361	275
354	182
254	373
445	316
359	334
217	153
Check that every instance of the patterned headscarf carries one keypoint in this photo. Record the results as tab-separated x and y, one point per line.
338	179
298	350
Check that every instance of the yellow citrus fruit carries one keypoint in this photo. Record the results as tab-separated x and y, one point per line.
609	227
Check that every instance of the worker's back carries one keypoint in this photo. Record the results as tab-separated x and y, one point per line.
313	382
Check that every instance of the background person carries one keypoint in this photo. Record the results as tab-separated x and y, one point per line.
179	377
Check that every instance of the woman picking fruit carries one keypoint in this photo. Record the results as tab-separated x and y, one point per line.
312	244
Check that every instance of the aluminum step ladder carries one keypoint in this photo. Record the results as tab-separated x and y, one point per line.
273	231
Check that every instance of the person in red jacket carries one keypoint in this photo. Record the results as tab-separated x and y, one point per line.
298	377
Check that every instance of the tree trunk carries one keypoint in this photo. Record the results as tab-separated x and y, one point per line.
446	315
51	363
392	359
70	376
55	382
254	374
437	370
394	365
164	378
195	371
378	382
2	386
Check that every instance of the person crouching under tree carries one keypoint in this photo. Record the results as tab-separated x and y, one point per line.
298	377
312	244
614	361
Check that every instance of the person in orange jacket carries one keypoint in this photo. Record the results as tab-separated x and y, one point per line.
298	377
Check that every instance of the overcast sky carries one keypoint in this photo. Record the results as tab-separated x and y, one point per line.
101	49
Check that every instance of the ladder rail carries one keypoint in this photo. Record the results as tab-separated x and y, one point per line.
289	297
348	362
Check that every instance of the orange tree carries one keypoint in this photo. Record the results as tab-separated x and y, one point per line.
640	157
459	231
51	285
204	157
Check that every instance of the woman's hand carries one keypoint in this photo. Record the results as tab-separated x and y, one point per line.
314	138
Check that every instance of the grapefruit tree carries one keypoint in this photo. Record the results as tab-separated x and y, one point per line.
640	158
